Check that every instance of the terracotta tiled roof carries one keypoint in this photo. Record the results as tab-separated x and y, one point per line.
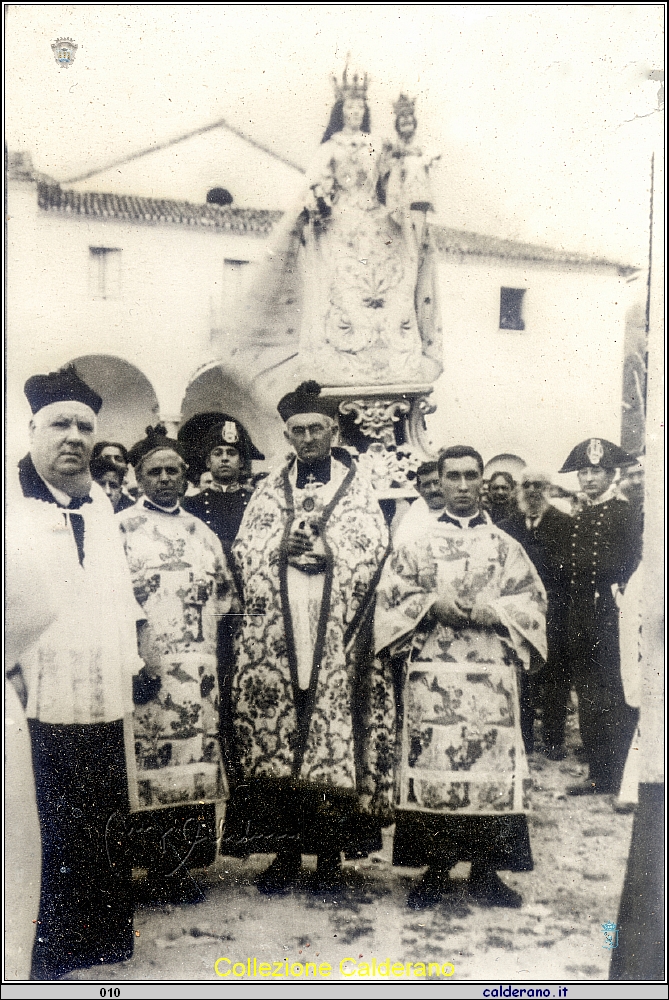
52	198
458	241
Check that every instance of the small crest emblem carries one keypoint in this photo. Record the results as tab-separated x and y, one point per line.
595	451
230	435
64	51
610	931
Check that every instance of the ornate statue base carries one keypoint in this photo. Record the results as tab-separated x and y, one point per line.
385	426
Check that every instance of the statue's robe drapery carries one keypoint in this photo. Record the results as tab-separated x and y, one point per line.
305	753
345	297
462	778
361	271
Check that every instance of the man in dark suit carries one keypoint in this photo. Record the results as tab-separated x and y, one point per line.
604	549
543	531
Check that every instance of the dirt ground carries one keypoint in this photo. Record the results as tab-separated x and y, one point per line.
580	848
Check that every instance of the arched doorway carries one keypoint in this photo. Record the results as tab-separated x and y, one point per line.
129	402
216	389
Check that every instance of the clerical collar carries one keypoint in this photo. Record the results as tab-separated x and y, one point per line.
474	521
171	511
319	471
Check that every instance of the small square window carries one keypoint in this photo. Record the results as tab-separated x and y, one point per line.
511	309
235	274
104	272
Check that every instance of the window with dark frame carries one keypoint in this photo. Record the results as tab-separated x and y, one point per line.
511	308
105	272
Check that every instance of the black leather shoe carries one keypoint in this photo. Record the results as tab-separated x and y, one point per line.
588	788
329	875
283	872
431	889
488	889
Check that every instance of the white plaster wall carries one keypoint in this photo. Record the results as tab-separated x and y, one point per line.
538	392
535	393
172	283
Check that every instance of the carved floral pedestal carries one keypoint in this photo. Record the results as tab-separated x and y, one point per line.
385	427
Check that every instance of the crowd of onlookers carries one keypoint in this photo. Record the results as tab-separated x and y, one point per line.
253	638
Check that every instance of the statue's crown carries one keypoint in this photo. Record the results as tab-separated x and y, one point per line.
352	85
404	105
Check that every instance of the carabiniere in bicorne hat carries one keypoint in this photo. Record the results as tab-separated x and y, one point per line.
597	453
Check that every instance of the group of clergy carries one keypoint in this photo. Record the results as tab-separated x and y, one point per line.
294	662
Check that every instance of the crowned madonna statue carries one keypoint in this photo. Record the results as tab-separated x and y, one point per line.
365	257
346	292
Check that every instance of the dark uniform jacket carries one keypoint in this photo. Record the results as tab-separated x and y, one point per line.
604	549
222	512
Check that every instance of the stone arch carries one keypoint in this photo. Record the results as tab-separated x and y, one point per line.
214	387
512	464
129	402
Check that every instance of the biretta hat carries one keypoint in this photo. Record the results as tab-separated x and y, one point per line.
156	440
306	399
599	454
59	387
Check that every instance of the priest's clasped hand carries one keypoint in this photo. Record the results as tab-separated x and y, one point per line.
299	542
452	610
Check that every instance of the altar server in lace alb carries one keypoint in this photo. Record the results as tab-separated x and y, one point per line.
313	718
459	608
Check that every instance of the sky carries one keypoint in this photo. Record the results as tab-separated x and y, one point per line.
544	115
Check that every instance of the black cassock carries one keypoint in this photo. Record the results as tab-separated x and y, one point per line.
547	545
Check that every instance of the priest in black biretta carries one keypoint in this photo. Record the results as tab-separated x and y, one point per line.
74	679
312	716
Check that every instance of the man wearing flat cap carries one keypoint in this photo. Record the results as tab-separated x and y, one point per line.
603	551
313	722
75	679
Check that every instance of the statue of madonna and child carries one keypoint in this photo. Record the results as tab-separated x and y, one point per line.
348	291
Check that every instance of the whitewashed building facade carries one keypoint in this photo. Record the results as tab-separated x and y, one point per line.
135	290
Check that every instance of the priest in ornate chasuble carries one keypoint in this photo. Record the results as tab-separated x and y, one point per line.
313	717
459	608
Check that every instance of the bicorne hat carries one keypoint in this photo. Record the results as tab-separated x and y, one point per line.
306	399
597	453
59	387
205	431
